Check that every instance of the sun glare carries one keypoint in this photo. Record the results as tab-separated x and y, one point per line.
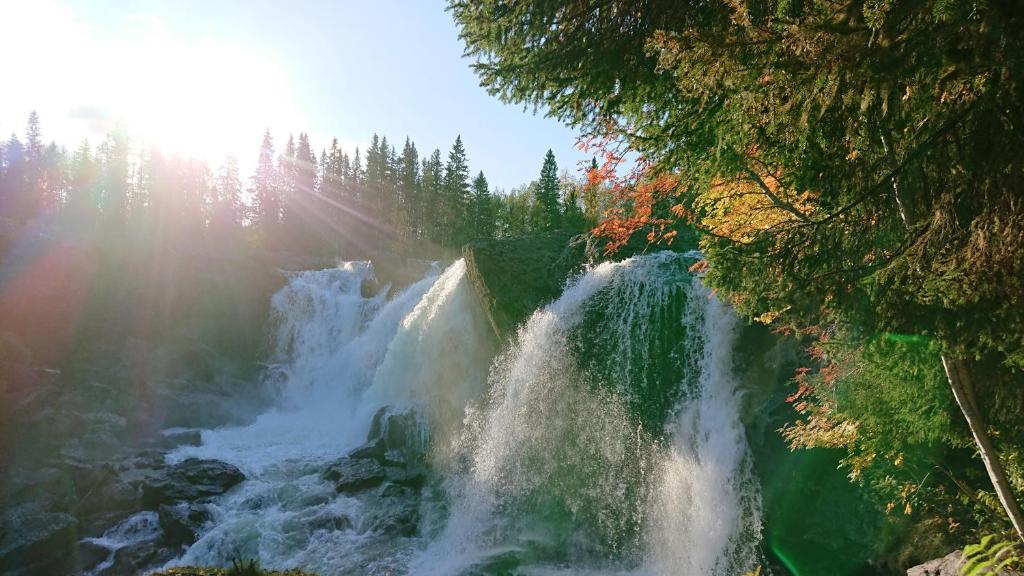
203	98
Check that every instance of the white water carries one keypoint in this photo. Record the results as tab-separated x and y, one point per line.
540	467
137	528
343	356
548	442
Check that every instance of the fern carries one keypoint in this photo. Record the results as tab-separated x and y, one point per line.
990	556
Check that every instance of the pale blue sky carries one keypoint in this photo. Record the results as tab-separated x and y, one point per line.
227	69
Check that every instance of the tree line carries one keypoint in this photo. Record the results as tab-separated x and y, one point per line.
332	203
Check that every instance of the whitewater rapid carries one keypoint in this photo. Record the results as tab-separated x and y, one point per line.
541	457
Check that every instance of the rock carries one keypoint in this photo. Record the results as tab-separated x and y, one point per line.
90	555
182	522
398	442
31	537
512	277
189	480
137	558
948	565
355	474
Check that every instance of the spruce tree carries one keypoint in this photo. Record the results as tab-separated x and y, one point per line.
32	196
266	189
80	203
431	189
547	192
483	209
227	211
14	182
408	186
114	167
455	204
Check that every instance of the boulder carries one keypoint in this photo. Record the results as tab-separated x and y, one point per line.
139	558
397	441
394	438
190	480
182	522
948	565
37	540
355	474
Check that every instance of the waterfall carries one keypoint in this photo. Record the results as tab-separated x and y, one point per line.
562	471
342	356
604	439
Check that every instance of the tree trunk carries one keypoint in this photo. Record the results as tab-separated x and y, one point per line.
963	391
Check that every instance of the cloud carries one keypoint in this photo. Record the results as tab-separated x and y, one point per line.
98	120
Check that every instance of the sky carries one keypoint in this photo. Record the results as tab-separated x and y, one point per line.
204	78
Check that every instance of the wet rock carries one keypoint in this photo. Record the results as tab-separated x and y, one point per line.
403	521
181	523
189	480
355	474
395	438
90	555
31	537
137	558
329	523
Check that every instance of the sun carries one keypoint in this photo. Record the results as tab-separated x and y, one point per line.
194	96
202	100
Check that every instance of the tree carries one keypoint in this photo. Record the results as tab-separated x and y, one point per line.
847	162
409	189
32	197
548	192
55	177
572	217
266	188
431	184
482	209
227	209
81	203
114	169
592	195
13	185
455	197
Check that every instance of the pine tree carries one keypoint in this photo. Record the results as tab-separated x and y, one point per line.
32	196
572	216
356	176
55	176
266	189
114	163
547	192
288	179
81	203
409	188
431	189
455	205
227	212
483	209
14	181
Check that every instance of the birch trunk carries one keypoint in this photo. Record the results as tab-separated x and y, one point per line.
963	391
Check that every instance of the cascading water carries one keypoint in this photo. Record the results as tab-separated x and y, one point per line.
567	467
606	438
336	347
